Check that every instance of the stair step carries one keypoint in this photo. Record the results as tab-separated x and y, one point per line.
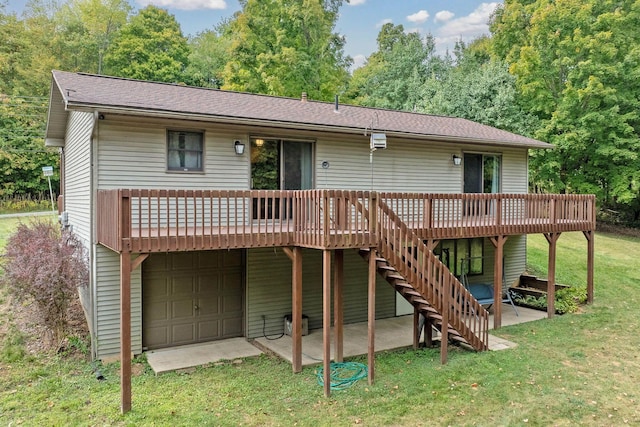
400	284
394	276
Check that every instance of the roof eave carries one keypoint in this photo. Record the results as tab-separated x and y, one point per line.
289	125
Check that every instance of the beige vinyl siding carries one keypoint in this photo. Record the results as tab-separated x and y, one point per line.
269	290
77	191
515	176
405	165
133	154
108	305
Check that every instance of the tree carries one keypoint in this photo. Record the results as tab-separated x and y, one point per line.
286	47
576	69
478	89
22	151
208	57
394	75
88	27
150	47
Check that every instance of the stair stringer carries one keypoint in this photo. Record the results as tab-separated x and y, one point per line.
430	280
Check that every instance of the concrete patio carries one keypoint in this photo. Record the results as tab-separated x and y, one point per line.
392	333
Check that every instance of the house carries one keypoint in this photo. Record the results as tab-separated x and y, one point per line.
211	214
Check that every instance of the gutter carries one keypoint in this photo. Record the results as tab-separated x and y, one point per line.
295	125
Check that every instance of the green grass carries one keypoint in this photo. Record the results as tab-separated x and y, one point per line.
576	369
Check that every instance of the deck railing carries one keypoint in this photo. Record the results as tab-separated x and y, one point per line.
442	216
181	220
139	220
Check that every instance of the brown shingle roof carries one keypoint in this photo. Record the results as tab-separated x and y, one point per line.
112	93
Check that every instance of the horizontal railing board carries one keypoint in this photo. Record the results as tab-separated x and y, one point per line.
141	220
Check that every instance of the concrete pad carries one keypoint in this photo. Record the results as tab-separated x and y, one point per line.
391	334
188	356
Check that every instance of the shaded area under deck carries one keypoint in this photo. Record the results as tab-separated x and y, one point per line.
392	333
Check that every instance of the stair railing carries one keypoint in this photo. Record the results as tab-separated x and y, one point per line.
408	254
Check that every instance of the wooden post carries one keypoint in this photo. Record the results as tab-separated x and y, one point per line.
416	328
552	238
590	235
372	315
326	320
338	306
498	267
296	311
446	295
125	332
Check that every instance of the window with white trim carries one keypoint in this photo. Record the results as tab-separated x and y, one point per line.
185	151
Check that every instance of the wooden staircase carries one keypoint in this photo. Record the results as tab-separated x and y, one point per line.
417	274
412	295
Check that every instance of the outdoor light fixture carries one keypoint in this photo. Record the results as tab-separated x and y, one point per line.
239	147
457	160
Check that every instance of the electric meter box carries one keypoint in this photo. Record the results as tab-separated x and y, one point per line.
288	325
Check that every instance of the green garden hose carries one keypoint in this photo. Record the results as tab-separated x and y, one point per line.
343	374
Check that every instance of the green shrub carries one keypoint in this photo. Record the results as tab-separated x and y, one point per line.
567	300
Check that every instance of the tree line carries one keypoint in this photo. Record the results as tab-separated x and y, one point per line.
565	72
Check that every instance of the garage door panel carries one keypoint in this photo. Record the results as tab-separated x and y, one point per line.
182	285
231	327
156	337
192	297
209	330
183	333
157	312
183	261
208	306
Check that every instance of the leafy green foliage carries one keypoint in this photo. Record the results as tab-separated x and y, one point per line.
395	74
22	151
45	266
286	48
149	47
576	67
88	29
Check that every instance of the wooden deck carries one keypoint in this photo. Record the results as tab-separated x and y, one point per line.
145	221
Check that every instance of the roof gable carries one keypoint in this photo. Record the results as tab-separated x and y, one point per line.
102	93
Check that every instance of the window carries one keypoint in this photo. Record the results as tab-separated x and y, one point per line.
184	151
453	252
482	173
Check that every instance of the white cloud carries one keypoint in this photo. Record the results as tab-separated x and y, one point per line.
185	4
465	28
418	17
356	2
443	16
358	61
384	21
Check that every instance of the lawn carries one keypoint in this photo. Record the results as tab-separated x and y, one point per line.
577	369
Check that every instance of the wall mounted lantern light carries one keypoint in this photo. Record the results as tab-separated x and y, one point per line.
457	160
239	147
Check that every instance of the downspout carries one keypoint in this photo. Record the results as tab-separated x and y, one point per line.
95	137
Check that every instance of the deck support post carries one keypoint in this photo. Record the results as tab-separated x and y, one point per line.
590	235
498	267
296	310
125	332
338	306
552	238
326	320
371	316
444	328
416	328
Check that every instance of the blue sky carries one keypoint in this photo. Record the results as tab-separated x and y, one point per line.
360	21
